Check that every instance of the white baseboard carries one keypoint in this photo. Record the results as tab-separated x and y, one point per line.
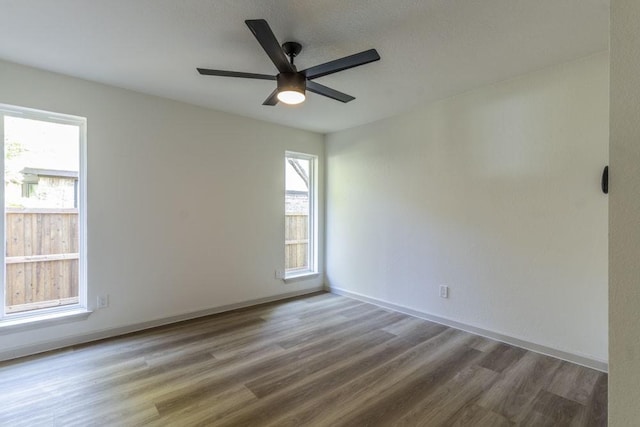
538	348
109	333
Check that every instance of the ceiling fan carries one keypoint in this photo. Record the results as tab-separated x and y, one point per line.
292	83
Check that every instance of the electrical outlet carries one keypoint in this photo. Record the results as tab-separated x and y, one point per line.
279	273
103	301
444	291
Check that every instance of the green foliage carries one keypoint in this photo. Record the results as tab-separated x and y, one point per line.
13	149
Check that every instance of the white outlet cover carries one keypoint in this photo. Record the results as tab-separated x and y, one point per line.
103	301
444	291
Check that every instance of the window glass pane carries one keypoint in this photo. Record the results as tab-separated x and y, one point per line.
41	168
297	210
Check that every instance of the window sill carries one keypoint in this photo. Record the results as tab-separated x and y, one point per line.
302	275
9	326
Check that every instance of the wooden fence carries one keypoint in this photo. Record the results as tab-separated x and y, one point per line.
296	241
41	258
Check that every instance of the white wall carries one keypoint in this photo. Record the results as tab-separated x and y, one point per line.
185	204
624	216
495	193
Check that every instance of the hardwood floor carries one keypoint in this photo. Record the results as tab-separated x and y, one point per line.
321	360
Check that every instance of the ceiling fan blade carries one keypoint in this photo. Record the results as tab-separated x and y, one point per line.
345	63
272	99
328	92
208	72
269	43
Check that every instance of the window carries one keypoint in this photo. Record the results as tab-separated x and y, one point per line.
29	189
44	205
300	215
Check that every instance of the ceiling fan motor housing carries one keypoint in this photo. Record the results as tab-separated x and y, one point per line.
292	82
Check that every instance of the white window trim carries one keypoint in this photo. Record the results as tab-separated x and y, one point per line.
53	315
312	270
303	275
12	325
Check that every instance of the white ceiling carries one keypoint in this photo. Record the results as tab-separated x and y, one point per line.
430	49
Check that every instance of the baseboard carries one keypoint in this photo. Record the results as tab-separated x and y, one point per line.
109	333
538	348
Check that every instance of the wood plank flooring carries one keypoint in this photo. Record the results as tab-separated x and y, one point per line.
320	360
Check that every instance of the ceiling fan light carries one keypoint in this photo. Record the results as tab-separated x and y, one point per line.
291	88
291	97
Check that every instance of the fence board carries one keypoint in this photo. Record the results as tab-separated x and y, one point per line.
43	304
37	258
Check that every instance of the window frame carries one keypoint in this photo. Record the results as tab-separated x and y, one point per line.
51	314
312	225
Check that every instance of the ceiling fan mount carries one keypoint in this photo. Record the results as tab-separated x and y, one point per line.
291	83
291	49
